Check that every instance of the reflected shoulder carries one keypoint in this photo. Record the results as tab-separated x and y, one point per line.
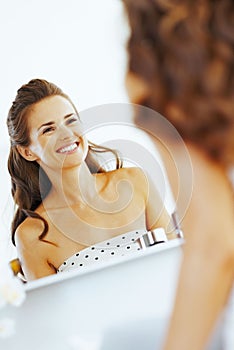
137	177
133	175
131	172
28	231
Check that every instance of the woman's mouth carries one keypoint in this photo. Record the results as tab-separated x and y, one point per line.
68	149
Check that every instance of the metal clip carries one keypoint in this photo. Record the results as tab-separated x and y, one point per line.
151	238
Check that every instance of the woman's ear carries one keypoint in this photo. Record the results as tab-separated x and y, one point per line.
26	153
136	87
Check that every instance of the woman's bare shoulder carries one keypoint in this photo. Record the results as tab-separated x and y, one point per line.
33	254
135	176
132	176
28	231
133	173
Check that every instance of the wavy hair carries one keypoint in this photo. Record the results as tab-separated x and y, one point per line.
29	183
184	52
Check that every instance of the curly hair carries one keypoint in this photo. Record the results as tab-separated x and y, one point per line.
29	183
184	51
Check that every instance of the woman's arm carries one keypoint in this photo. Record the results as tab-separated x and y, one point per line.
156	215
155	210
30	251
207	270
204	283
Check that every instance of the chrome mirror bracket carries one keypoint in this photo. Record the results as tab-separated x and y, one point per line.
153	237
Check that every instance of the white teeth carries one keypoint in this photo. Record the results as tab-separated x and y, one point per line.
68	148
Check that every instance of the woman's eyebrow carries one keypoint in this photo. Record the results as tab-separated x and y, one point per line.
69	115
52	122
45	124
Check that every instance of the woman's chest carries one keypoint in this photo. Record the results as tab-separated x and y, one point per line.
75	228
98	217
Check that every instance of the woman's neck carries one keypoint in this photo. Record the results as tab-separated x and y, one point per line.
71	186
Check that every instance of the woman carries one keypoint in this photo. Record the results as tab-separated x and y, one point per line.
181	64
66	202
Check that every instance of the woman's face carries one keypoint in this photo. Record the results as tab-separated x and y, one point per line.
56	134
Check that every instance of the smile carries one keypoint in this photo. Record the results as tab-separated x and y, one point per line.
68	149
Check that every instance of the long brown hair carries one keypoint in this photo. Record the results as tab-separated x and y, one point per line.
184	52
29	183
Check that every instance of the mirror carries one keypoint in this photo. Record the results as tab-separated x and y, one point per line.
80	47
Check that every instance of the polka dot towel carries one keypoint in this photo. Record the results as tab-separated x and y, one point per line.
104	251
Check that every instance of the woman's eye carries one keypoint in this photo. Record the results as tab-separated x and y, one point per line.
48	130
72	120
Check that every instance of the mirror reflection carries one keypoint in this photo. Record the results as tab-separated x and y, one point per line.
23	151
42	50
72	211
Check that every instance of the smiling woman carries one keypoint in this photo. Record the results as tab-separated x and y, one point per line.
67	203
69	56
56	134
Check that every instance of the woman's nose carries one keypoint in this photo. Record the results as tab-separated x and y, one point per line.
65	133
